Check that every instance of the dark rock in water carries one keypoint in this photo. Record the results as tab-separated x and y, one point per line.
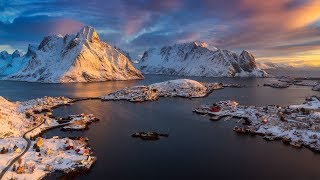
296	144
277	85
286	140
233	85
240	130
269	138
149	136
215	118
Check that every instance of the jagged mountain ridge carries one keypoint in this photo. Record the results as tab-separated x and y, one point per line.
274	66
75	58
195	59
10	63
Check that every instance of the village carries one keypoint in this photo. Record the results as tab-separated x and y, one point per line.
48	155
297	125
24	155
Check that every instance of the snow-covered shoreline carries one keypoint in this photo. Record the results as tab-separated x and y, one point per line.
49	155
21	122
297	125
174	88
285	82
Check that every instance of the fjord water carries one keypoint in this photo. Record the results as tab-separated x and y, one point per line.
196	147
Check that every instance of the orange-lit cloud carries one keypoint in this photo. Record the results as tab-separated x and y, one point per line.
280	14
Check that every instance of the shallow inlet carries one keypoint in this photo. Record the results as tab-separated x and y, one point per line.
196	148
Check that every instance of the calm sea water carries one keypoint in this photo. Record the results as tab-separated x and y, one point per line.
196	147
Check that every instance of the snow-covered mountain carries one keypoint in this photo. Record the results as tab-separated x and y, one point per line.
273	66
10	63
195	59
124	52
75	58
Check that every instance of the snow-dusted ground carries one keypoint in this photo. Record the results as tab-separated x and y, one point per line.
55	154
18	117
298	125
179	87
195	59
72	58
19	120
14	146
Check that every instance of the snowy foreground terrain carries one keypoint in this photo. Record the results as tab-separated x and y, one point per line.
70	58
195	59
297	125
24	158
180	88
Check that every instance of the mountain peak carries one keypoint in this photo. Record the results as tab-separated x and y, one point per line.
88	33
201	44
4	54
16	53
247	55
31	51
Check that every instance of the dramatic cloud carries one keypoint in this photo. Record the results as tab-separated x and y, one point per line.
279	30
32	29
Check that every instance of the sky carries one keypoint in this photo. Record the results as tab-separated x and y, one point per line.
281	31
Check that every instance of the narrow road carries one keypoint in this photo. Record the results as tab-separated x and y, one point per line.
26	149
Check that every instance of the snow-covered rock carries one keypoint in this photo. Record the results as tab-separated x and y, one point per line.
195	59
179	87
124	52
75	58
316	88
10	63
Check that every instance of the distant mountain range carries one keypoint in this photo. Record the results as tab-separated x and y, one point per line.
274	66
83	57
195	59
71	58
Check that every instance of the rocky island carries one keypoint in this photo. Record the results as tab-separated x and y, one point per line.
297	125
174	88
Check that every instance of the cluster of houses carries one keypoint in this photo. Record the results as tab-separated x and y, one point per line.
52	154
298	125
10	149
78	145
